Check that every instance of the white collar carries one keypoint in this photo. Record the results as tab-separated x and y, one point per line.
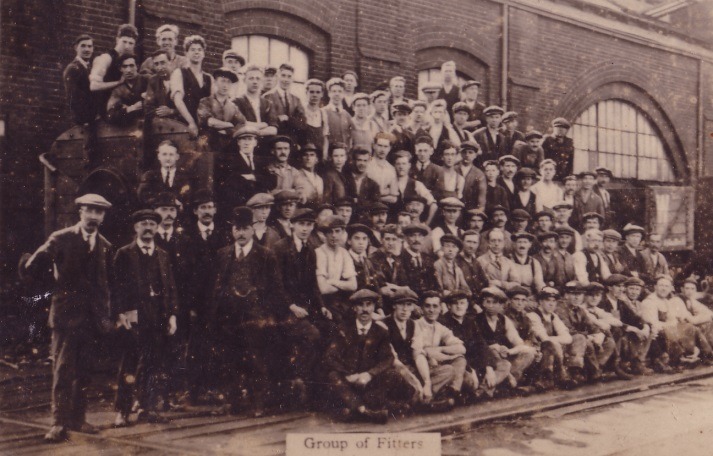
162	230
83	62
203	228
360	326
86	235
143	244
246	248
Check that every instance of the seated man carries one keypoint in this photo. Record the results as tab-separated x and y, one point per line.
417	270
554	338
449	275
497	267
360	237
589	264
525	270
360	366
443	347
126	103
308	183
467	260
261	204
481	362
503	338
336	275
700	315
639	346
554	272
411	362
516	310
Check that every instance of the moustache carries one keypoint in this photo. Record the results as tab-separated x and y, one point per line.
168	217
148	231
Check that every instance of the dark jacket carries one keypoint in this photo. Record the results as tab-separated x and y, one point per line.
152	183
299	276
477	351
349	353
129	282
418	279
157	95
561	150
624	312
267	112
79	97
294	126
81	293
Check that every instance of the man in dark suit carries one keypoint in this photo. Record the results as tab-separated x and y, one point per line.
80	258
360	188
246	292
158	93
145	303
560	148
166	177
475	185
288	108
630	255
258	111
201	240
491	141
417	270
76	82
360	365
425	171
298	268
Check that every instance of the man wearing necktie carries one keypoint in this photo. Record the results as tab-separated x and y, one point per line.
80	258
360	362
145	304
166	177
417	272
290	112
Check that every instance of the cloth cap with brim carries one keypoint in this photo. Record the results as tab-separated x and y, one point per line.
423	139
523	173
542	237
545	213
331	222
548	292
246	132
361	228
615	279
417	228
235	55
561	122
242	217
469	145
605	171
360	96
522	235
270	71
470	83
510	158
451	201
92	199
405	295
164	199
452	239
145	214
496	208
518	290
417	198
281	138
594	287
611	234
456	295
477	213
202	196
430	87
303	215
378	208
587	173
343	202
631	228
285	196
574	286
363	295
564	231
520	214
400	107
493	110
309	147
509	116
533	134
225	73
494	292
634	281
562	205
460	107
260	200
591	215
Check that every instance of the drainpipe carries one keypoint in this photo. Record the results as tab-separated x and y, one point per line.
132	12
504	70
700	171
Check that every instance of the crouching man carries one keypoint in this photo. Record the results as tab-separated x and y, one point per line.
360	365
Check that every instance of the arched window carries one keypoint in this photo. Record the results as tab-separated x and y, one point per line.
434	75
268	51
616	135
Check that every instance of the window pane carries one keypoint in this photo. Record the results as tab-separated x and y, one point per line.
259	50
279	53
240	45
300	61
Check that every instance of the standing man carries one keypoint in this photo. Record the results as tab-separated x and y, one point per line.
586	201
604	176
106	73
258	111
233	62
190	84
158	92
417	270
360	188
630	254
238	177
510	132
217	114
126	103
281	173
449	90
336	275
167	40
80	258
288	108
397	88
560	148
491	141
145	303
339	120
476	119
474	185
76	82
656	263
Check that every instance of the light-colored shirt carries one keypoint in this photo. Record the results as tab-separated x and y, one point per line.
147	248
547	194
384	174
363	329
561	333
580	266
90	238
334	264
245	249
206	229
436	335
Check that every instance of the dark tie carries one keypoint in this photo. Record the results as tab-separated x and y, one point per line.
250	162
168	177
241	255
147	249
165	237
362	331
207	233
287	104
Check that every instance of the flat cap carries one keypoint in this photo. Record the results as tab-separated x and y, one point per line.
164	199
416	198
548	292
145	214
477	213
303	214
460	107
611	234
335	81
541	237
166	27
363	295
361	228
309	147
634	281
591	215
284	196
498	207
494	292
548	161
400	107
202	196
595	287
615	279
225	73
405	295
545	213
430	87
518	290
574	286
314	81
417	228
260	200
234	55
376	94
605	171
561	122
342	202
448	237
92	199
509	116
360	96
246	131
533	134
631	228
439	103
378	208
525	172
270	71
510	158
571	177
564	231
331	222
457	295
520	214
281	138
522	235
563	205
451	201
493	110
586	173
470	83
469	145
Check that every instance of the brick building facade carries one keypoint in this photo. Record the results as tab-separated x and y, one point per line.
559	58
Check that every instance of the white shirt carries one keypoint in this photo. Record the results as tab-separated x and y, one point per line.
165	171
255	103
547	194
164	233
203	229
142	245
246	249
363	329
384	174
90	238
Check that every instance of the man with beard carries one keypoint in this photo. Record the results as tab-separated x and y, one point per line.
360	365
79	259
297	263
560	148
360	188
106	73
126	103
280	172
167	40
145	304
158	91
199	245
246	295
286	205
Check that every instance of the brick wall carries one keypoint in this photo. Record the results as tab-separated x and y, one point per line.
555	67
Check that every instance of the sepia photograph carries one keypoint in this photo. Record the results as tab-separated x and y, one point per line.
356	227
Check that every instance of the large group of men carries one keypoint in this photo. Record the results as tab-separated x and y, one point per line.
364	254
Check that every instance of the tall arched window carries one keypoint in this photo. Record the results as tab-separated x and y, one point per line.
434	75
615	134
265	51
